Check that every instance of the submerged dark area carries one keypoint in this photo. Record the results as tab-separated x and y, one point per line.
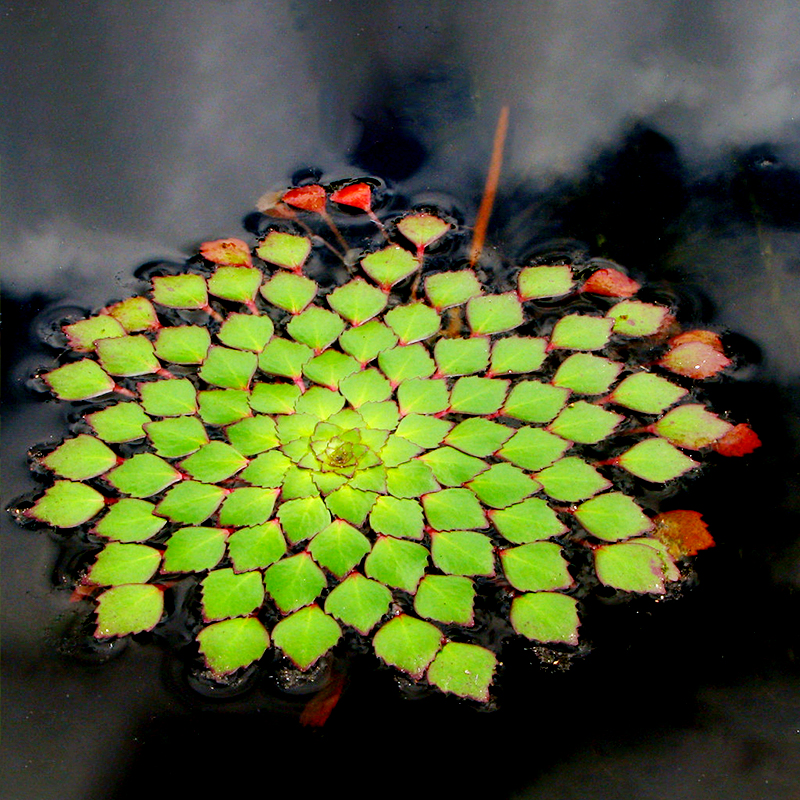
135	132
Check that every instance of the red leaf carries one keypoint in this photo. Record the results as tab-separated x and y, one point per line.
230	252
307	198
706	337
694	360
611	283
320	707
357	195
740	441
683	532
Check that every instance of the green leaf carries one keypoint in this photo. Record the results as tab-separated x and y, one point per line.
186	344
448	289
135	314
169	398
445	598
330	368
366	386
290	292
232	644
350	504
339	548
143	475
423	229
368	341
634	318
247	505
536	567
529	521
532	401
465	670
691	426
380	416
536	282
517	354
194	549
128	609
303	518
477	395
190	502
214	462
173	438
411	479
503	485
423	431
80	458
413	322
274	398
571	479
359	602
246	331
405	362
124	563
397	450
285	358
306	635
533	448
67	504
294	582
453	509
655	460
613	516
546	617
397	562
632	566
451	467
581	332
585	423
423	396
224	406
81	336
284	250
397	517
239	284
479	437
584	373
180	291
122	422
81	380
256	547
461	356
252	435
462	553
408	644
228	594
389	266
494	313
358	302
295	426
316	328
230	369
129	520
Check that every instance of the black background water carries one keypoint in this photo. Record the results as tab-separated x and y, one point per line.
663	135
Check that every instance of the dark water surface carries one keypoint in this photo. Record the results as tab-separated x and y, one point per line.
665	136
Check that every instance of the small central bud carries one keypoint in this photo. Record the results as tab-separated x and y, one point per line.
340	454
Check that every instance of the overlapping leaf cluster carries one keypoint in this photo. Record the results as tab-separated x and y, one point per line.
341	459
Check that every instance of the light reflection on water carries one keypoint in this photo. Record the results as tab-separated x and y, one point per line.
136	132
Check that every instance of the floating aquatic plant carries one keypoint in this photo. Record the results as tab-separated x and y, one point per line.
381	451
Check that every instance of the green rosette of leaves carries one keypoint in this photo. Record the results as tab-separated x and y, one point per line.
351	459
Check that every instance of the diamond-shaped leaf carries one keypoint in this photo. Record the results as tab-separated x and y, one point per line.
695	359
357	302
169	398
135	314
306	635
423	396
359	602
478	436
445	598
397	562
632	566
581	332
517	354
224	406
67	504
239	284
190	502
367	341
128	609
494	313
82	335
185	344
119	563
413	322
451	467
247	505
80	458
461	356
529	521
330	368
411	479
536	282
533	448
294	582
532	401
303	518
423	229
81	380
424	431
143	475
634	318
230	369
536	567
350	504
367	386
585	423
232	644
256	547
275	398
453	509
405	362
284	250
316	328
397	517
613	516
584	373
691	426
548	617
288	291
503	485
227	251
648	393
473	395
655	460
214	462
194	549
129	520
571	479
176	437
122	422
389	266
448	289
285	358
339	548
246	332
408	644
230	594
252	435
462	552
180	291
465	670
